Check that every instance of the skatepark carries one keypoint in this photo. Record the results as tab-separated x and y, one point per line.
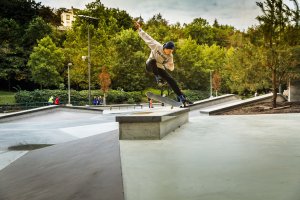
205	156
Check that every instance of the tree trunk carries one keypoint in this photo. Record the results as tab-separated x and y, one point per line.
274	88
104	99
9	84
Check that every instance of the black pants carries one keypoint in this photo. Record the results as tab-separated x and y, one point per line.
152	68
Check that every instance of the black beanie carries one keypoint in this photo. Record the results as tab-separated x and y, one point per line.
169	45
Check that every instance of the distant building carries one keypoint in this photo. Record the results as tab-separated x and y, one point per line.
68	17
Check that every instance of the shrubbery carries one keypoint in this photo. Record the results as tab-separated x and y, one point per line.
77	97
81	97
196	95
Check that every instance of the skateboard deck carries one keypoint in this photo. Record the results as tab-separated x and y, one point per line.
163	99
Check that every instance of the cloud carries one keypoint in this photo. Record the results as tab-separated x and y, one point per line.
241	14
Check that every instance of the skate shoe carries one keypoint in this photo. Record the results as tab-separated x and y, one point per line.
184	100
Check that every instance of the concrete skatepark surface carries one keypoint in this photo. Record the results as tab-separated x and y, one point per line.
211	157
217	157
89	168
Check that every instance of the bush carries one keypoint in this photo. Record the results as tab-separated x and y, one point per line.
130	101
196	95
77	97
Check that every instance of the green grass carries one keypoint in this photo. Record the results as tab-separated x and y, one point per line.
7	97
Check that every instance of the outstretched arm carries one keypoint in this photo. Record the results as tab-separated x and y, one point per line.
137	25
147	38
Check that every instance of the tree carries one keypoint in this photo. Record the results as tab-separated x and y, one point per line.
128	71
46	62
200	31
23	11
12	62
37	29
105	82
245	69
273	22
216	81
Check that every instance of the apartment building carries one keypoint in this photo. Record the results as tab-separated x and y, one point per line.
68	17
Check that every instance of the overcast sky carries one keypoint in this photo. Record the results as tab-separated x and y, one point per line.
239	13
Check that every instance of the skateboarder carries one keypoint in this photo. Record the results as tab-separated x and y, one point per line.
160	59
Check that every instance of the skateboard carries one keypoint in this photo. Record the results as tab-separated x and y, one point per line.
165	100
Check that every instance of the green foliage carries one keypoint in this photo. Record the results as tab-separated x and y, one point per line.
46	62
22	11
79	97
239	57
129	70
37	29
200	31
245	71
9	32
7	97
12	59
117	96
196	95
196	61
273	23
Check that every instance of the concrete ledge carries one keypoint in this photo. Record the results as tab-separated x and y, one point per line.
42	110
213	101
151	125
226	107
111	106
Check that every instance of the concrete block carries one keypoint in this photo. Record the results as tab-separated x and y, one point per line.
294	91
152	125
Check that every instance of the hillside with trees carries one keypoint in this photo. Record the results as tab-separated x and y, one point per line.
260	59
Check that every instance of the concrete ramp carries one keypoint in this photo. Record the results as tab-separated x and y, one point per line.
214	101
219	108
88	168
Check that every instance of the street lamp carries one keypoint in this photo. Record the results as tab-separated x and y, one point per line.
69	91
210	77
89	51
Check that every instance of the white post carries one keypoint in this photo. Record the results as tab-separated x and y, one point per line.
89	63
89	51
69	88
210	77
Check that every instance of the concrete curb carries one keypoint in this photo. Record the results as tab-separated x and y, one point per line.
42	110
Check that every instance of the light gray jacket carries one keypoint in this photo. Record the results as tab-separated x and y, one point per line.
162	60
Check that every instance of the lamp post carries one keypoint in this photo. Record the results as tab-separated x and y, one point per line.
89	51
210	77
69	90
